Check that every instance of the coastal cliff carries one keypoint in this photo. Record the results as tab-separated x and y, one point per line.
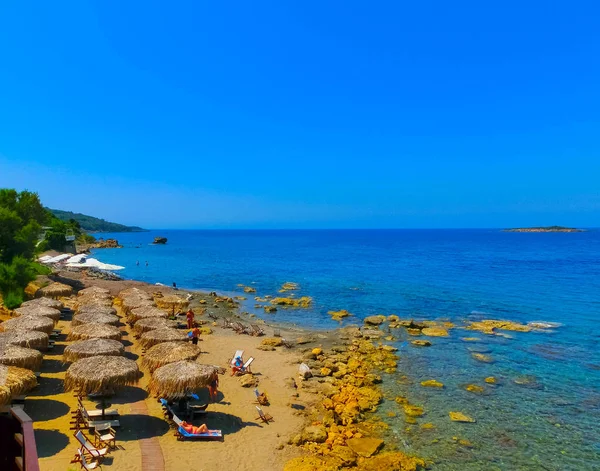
545	229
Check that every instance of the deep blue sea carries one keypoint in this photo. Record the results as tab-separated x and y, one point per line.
544	413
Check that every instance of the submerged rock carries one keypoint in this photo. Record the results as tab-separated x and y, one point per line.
269	309
435	332
339	315
364	446
460	417
483	358
432	383
249	289
421	343
474	388
491	380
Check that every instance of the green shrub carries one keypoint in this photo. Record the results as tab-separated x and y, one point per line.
13	299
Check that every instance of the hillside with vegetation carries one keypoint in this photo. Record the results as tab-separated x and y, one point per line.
92	224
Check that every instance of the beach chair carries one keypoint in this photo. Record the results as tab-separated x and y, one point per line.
83	418
245	367
286	343
81	459
106	438
97	413
237	327
238	353
266	418
256	330
261	398
89	448
182	434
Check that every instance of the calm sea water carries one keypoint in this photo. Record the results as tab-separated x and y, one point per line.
551	421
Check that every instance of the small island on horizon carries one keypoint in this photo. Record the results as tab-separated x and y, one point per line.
545	229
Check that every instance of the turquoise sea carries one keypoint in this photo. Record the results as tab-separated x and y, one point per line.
545	412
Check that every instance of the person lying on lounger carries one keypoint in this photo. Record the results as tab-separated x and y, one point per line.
189	428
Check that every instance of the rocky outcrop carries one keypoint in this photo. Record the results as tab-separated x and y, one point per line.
374	320
160	240
339	315
460	417
303	302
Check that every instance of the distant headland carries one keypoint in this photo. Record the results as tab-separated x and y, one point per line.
545	229
93	224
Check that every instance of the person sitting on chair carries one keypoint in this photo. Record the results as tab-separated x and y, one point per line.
238	365
189	428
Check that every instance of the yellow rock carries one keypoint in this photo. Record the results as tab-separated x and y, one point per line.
205	330
391	461
432	383
289	286
435	332
410	420
465	443
270	309
421	343
249	289
488	326
474	388
460	417
428	426
401	400
491	380
414	332
482	357
325	371
303	302
364	446
272	341
311	463
374	320
413	411
339	315
317	351
391	414
470	339
393	318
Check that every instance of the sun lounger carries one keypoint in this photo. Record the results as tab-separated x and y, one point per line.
96	413
181	433
261	398
256	330
286	343
245	368
237	327
81	459
238	353
82	420
266	418
89	448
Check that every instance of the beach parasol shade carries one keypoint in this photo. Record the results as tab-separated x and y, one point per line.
39	323
92	348
25	338
48	312
93	290
29	358
94	331
55	290
46	302
152	323
145	312
181	378
97	309
91	317
152	337
15	381
101	373
169	352
172	302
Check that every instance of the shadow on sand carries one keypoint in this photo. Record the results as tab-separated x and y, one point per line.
129	395
50	442
48	387
138	426
45	409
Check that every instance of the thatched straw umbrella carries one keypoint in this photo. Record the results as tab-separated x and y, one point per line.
172	302
134	292
145	312
91	318
48	312
47	302
181	378
92	348
94	331
29	358
93	290
94	301
153	337
55	290
25	338
15	381
152	323
100	374
97	309
39	323
135	302
169	352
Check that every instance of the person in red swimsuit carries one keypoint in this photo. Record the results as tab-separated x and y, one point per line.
190	319
189	428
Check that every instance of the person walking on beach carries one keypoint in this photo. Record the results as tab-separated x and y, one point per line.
213	389
195	335
190	319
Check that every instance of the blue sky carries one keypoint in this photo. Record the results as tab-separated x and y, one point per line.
304	114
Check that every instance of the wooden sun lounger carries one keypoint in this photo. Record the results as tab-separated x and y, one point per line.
266	418
256	330
88	447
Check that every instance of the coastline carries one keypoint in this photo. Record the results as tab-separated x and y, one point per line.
297	405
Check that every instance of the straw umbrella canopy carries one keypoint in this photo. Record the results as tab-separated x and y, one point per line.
91	318
152	323
93	290
25	338
145	312
48	312
172	302
92	348
47	302
134	292
135	302
96	309
55	290
29	358
100	374
94	301
181	378
169	352
152	337
15	381
94	331
39	323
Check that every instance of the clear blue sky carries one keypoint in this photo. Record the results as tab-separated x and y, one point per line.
304	114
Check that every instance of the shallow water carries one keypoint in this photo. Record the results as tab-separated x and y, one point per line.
551	420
